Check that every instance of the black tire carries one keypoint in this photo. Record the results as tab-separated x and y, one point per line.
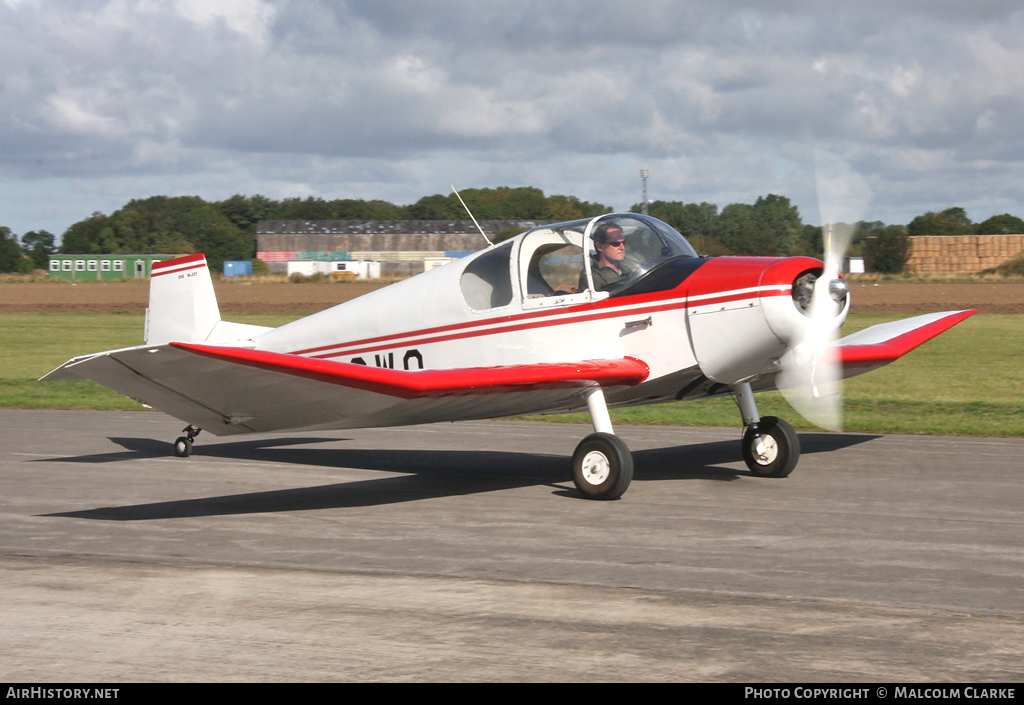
182	447
781	445
602	466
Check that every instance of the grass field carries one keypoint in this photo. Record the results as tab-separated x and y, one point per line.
968	381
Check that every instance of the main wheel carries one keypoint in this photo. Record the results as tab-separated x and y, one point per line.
182	447
780	447
602	466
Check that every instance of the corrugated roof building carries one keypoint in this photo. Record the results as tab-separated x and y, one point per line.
403	247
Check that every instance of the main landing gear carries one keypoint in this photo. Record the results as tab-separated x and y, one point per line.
602	466
183	446
770	445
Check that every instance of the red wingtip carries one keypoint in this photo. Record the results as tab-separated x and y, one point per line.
879	354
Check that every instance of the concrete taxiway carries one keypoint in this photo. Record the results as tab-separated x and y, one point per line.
462	552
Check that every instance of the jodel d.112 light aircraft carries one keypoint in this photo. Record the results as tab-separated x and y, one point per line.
613	311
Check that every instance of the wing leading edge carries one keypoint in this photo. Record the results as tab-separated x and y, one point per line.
228	390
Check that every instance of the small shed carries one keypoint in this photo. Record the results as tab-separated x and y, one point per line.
237	268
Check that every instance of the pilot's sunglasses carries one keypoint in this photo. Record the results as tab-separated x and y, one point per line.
616	243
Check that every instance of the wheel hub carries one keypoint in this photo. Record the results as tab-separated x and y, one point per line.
766	450
595	467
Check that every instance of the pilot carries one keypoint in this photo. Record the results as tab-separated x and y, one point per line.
608	266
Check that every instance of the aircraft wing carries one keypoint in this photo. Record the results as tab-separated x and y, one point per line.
229	390
879	345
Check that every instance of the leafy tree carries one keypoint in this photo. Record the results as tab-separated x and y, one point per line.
10	253
694	221
862	231
888	249
810	242
83	238
735	229
437	207
246	211
350	209
507	233
38	246
778	223
526	203
161	224
308	209
571	208
952	221
1004	224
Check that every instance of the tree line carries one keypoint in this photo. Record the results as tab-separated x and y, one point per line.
225	230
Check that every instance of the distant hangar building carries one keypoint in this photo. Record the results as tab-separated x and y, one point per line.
403	247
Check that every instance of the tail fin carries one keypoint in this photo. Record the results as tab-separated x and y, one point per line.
182	303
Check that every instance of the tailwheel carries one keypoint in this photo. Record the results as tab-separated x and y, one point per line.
183	445
771	447
602	466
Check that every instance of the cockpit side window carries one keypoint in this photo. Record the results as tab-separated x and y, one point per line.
551	264
487	281
555	269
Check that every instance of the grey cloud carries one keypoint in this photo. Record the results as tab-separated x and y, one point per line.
722	102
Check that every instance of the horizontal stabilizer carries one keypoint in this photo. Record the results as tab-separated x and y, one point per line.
879	345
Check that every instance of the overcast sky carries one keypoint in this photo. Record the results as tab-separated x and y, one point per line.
918	102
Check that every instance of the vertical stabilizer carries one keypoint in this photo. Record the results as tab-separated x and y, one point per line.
182	305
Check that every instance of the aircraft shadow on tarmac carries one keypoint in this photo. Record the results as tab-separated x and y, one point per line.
424	474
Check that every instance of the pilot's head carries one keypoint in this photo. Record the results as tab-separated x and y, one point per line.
610	243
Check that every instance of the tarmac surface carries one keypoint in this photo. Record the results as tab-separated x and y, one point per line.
462	552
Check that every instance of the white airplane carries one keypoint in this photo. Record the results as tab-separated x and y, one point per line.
612	311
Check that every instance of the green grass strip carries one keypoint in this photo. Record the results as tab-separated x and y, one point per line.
968	381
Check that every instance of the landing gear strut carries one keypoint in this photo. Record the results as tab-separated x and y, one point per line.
602	466
770	445
183	446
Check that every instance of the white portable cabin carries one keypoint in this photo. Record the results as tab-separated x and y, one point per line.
361	269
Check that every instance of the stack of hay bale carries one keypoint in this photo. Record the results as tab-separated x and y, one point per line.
956	254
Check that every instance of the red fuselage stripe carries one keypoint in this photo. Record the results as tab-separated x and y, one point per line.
720	280
495	327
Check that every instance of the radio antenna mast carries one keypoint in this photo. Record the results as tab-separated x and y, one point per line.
489	243
644	173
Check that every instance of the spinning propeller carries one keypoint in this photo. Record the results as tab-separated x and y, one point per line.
811	378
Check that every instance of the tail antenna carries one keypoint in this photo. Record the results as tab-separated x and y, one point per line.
489	243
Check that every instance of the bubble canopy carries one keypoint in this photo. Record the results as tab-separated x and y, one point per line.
650	244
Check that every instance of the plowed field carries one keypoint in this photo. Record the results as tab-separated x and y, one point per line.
883	297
